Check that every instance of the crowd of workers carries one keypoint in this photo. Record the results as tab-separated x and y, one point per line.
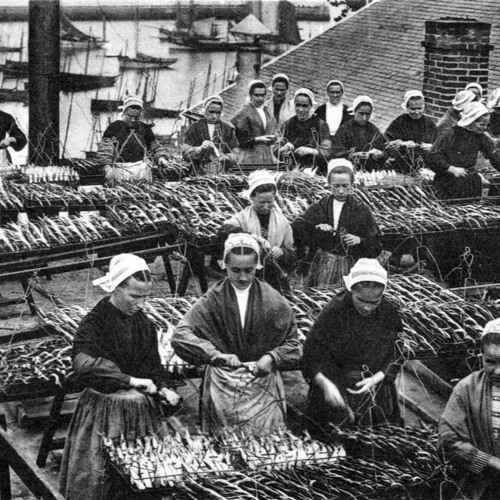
244	329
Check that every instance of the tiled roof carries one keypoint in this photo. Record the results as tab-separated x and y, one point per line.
377	51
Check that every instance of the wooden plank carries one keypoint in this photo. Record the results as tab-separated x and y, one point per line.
36	479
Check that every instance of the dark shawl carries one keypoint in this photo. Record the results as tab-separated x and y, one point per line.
122	144
356	218
198	132
404	127
459	147
119	347
352	137
312	133
212	326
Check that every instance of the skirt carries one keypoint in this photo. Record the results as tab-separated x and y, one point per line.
84	471
328	269
449	187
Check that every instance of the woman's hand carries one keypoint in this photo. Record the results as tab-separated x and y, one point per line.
275	252
264	366
206	145
304	151
350	239
324	227
230	360
143	384
171	397
265	139
457	171
376	154
368	383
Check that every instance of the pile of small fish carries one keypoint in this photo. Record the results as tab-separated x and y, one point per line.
149	462
33	363
50	232
403	460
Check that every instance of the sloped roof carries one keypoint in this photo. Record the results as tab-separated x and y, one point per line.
376	51
250	26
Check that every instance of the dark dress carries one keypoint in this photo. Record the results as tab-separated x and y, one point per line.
352	137
312	133
345	347
356	218
460	147
109	348
9	126
494	126
331	259
346	116
405	128
224	139
122	144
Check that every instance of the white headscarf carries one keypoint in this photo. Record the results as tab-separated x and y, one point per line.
121	267
491	326
281	77
240	240
366	270
215	99
494	99
132	100
335	82
307	92
361	99
259	178
337	162
462	98
411	94
471	113
474	85
255	83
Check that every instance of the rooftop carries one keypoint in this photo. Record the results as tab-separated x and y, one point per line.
376	51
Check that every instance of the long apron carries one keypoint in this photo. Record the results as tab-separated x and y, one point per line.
84	471
328	269
122	172
234	399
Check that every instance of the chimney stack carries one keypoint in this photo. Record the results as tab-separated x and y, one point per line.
457	52
248	64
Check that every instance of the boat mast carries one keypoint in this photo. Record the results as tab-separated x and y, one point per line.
43	57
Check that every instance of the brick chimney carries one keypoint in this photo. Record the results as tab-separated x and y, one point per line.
457	52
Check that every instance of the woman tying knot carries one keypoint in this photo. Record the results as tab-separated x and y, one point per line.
338	229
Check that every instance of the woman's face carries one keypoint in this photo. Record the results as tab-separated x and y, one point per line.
366	300
241	270
303	107
491	363
363	113
476	92
263	202
341	185
258	96
213	112
335	93
480	125
415	108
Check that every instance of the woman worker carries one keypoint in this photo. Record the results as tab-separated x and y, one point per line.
411	135
271	229
453	114
351	356
305	136
454	154
255	127
115	355
245	332
340	227
335	113
359	140
469	428
209	143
